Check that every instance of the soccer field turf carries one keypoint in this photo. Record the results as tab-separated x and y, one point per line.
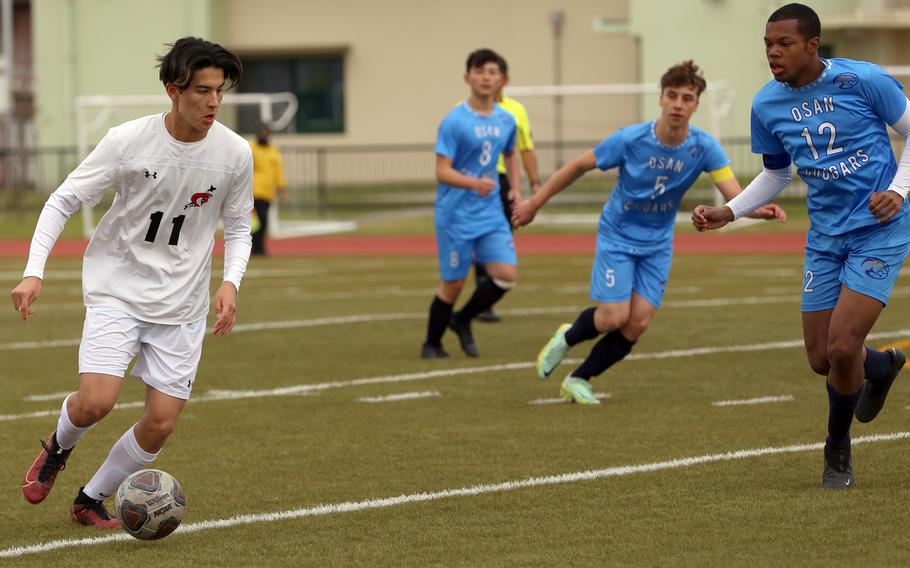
318	420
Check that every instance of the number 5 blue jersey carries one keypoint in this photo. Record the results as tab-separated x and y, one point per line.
474	142
652	181
834	131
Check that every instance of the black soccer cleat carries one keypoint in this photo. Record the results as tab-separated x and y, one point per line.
838	473
488	316
465	337
428	351
874	393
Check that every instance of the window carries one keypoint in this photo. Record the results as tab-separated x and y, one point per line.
318	82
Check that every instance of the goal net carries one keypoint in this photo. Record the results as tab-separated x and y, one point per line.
239	111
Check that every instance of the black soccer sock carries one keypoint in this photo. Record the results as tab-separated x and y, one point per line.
440	313
480	273
612	348
583	329
485	295
877	365
840	416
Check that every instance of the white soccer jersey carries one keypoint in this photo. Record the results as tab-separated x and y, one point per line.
151	253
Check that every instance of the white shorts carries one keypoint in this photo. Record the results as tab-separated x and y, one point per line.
168	354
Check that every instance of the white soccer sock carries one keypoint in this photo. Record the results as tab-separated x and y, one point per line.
125	458
68	435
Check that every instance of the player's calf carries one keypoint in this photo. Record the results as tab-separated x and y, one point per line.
40	477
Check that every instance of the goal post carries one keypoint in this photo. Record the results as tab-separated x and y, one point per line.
94	112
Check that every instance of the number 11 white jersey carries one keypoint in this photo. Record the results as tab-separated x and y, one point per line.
151	253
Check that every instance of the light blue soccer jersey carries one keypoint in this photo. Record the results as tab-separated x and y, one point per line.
474	142
834	131
652	180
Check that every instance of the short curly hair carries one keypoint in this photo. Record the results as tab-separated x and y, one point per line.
686	73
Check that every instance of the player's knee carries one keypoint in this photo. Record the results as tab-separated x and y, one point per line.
843	351
505	284
636	327
157	428
89	411
820	365
450	290
605	320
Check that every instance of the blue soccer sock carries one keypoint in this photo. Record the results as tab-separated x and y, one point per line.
583	329
877	365
611	349
840	415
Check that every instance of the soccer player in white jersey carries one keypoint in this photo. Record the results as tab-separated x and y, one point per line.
658	161
828	118
147	268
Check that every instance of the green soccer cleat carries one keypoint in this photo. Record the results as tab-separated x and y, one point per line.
553	352
577	390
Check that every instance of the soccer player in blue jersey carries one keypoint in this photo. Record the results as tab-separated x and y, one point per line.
828	118
469	216
659	161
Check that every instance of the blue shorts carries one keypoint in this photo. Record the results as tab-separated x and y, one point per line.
620	269
866	261
458	254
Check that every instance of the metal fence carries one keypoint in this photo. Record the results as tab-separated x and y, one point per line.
326	180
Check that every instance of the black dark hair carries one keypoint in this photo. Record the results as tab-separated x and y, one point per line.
503	65
481	57
189	54
807	22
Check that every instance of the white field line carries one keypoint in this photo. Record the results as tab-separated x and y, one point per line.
215	395
400	396
470	491
366	318
209	396
597	395
748	401
42	397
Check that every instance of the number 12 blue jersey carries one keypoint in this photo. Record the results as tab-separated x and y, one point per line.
834	131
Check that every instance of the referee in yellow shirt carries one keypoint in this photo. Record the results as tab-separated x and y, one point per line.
267	178
525	145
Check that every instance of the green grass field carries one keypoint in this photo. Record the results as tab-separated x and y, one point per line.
729	331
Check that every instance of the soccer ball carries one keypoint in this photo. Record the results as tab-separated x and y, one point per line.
150	504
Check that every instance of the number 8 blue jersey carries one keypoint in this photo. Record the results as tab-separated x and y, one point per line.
834	130
474	142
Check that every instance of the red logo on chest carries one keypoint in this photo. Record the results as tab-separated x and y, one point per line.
200	199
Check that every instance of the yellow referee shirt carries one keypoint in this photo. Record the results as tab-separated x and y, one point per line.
523	141
267	173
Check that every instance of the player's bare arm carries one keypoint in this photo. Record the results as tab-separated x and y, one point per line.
447	175
560	180
26	294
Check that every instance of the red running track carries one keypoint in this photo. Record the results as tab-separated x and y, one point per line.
421	245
